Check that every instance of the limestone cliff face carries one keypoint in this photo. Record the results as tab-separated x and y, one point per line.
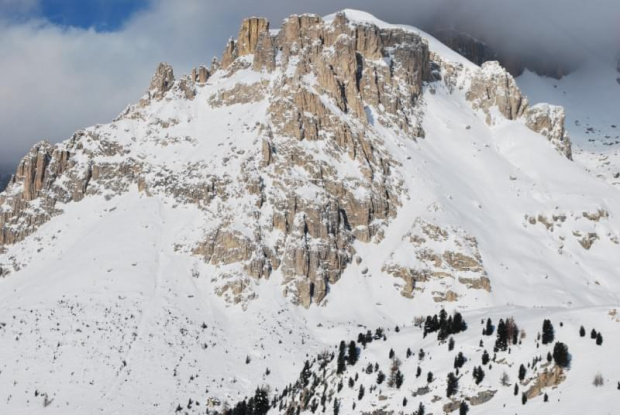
291	191
493	87
34	179
331	72
548	120
49	175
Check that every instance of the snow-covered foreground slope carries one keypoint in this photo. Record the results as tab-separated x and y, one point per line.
140	289
591	97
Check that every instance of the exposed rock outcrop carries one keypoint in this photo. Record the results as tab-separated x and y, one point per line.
200	75
49	175
492	87
429	261
548	379
548	120
249	35
162	81
333	71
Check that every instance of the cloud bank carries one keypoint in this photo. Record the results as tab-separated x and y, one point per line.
56	80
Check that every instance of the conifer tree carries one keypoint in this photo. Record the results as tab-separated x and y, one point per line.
599	338
548	334
582	331
561	355
516	389
463	408
505	380
453	384
399	378
458	324
341	358
501	343
593	334
459	360
429	377
305	374
451	344
380	377
478	374
352	353
485	357
522	372
488	331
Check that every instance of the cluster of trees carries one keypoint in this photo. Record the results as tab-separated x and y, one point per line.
396	376
255	405
453	384
368	337
310	381
507	334
444	325
478	374
347	355
593	335
459	360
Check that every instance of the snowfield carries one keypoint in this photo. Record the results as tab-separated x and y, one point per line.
107	312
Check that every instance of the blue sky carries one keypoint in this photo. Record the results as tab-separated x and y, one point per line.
100	14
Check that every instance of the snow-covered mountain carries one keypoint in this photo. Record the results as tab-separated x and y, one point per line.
333	176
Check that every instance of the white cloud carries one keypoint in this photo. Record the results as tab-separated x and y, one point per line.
55	80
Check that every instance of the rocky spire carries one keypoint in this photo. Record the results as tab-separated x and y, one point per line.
250	33
200	75
162	81
230	54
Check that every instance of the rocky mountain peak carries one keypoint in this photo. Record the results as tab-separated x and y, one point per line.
311	172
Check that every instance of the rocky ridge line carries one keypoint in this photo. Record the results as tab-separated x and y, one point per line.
325	82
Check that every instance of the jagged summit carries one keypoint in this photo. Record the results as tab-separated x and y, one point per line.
338	171
343	81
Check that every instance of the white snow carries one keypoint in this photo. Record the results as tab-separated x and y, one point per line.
110	317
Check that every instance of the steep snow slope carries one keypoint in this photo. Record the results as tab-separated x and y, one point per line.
109	308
